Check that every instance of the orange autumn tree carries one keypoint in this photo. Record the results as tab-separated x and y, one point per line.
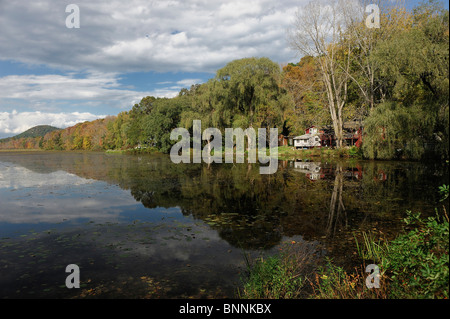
302	81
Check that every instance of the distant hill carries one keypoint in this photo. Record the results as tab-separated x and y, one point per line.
36	131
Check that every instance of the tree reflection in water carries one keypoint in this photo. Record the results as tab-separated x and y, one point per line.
336	204
218	207
250	210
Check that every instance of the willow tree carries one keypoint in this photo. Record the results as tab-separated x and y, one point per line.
249	90
394	131
414	121
201	106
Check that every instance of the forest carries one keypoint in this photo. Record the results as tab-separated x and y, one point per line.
393	79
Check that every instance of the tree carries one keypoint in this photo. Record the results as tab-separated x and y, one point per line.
364	70
116	137
200	106
245	88
134	129
164	117
396	131
415	119
318	31
302	82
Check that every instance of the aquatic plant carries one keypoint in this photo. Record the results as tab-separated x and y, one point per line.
278	276
371	249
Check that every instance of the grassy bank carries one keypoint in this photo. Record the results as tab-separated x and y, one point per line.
21	150
289	152
135	151
284	152
415	265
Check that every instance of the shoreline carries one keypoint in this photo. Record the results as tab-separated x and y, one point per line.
284	153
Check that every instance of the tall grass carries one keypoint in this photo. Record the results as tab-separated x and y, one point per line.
333	282
371	249
279	276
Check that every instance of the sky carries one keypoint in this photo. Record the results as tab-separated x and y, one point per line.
123	51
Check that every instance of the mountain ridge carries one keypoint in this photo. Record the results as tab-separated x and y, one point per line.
35	131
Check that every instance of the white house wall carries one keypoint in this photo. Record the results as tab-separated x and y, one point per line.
307	142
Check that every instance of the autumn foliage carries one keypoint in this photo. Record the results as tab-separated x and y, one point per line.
82	136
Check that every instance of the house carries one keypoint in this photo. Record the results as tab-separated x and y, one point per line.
315	170
312	170
324	136
353	133
315	137
311	138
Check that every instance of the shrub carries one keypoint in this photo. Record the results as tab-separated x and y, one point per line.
418	262
355	151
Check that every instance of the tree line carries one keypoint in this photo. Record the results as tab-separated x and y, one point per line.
394	80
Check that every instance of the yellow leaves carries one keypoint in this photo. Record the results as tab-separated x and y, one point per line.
397	19
147	280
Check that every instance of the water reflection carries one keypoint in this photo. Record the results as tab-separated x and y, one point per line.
337	207
318	170
31	198
249	210
167	216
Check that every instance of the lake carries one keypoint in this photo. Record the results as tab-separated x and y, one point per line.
140	226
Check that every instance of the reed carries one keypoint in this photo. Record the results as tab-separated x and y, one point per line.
371	249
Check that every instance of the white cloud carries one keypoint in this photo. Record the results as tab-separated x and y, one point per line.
12	123
94	86
91	91
30	204
127	36
17	177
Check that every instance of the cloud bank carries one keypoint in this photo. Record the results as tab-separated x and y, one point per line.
141	35
93	87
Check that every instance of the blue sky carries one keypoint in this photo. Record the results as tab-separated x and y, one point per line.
123	51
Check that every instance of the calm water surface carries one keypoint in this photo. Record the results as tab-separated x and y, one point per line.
143	227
